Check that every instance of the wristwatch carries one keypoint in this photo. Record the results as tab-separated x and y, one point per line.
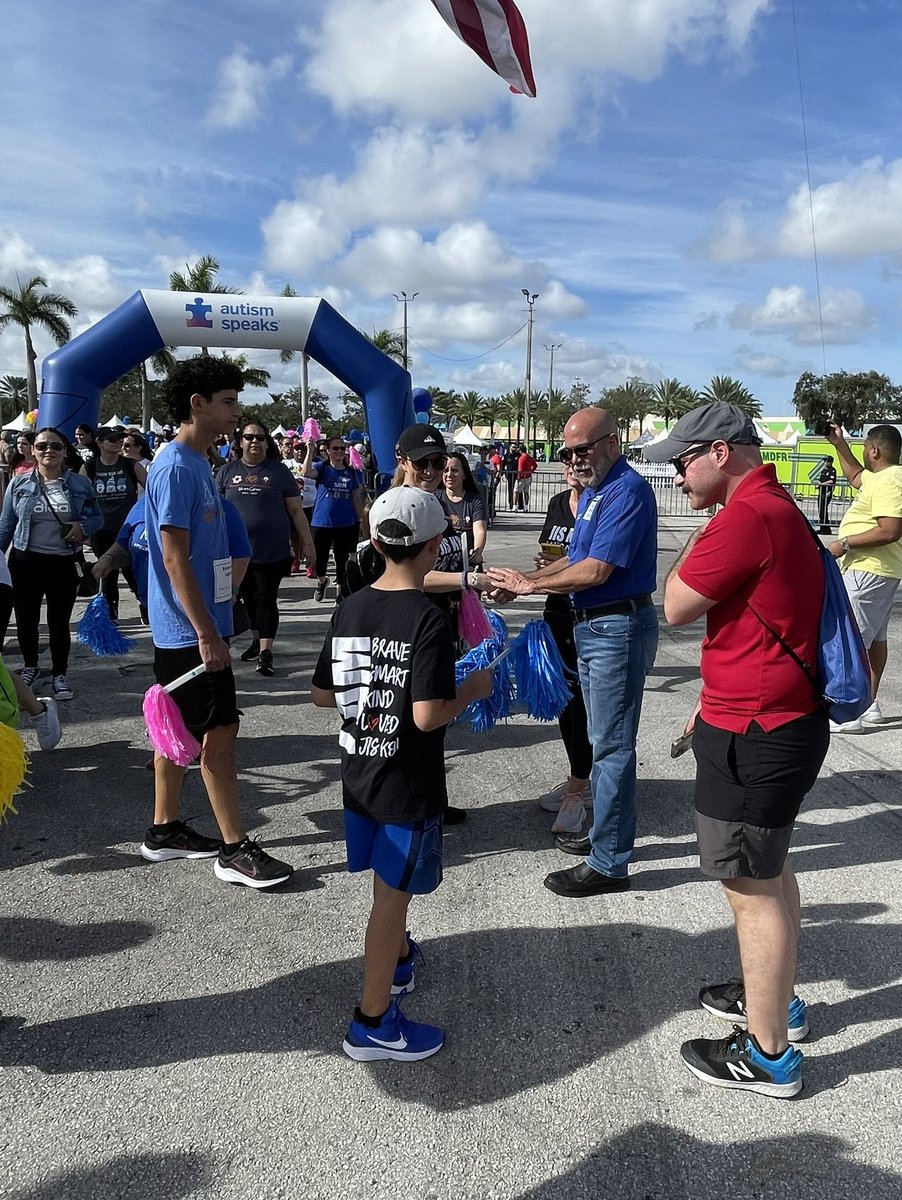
844	542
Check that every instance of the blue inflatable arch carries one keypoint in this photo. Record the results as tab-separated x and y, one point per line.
74	376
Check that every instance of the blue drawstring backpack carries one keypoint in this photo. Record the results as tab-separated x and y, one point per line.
842	677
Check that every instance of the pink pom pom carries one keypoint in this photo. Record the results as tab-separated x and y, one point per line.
311	431
354	459
166	728
472	621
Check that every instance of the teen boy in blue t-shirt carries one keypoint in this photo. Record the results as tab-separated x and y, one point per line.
388	667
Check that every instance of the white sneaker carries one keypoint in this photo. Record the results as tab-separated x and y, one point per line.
552	801
47	724
847	726
873	715
571	814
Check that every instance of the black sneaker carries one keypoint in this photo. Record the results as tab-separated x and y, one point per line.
251	652
727	1000
252	866
319	593
264	664
181	841
736	1061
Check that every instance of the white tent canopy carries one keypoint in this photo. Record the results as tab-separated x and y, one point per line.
464	436
279	431
114	420
20	422
155	426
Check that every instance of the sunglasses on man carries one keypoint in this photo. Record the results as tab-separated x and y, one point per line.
568	453
435	461
681	461
254	437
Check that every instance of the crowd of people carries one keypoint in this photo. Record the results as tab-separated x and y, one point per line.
210	522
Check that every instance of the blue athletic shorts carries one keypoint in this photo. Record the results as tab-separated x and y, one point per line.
406	856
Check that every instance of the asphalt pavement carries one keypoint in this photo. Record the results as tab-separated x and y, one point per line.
166	1035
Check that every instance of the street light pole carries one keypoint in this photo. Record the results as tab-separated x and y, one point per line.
405	300
551	349
530	302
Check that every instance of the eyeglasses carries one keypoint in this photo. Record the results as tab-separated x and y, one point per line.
568	453
42	446
254	437
680	461
336	449
435	461
109	439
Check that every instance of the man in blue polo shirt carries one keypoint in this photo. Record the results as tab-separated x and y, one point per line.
609	574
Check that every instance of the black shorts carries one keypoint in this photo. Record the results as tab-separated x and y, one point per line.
748	791
207	701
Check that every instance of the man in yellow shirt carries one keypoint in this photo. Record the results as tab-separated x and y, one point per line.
869	546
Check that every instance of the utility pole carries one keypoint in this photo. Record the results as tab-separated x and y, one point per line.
405	300
305	387
530	302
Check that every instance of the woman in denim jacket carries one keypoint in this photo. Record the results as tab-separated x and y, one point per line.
47	515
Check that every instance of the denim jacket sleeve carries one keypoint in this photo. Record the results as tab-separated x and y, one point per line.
7	519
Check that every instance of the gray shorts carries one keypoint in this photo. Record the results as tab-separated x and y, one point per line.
871	597
749	788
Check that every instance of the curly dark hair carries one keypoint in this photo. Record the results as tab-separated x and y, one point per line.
272	450
201	375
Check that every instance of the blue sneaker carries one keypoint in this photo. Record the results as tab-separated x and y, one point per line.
727	1000
737	1062
404	981
394	1037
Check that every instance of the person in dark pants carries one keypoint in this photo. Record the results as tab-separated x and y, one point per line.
116	481
509	468
336	514
266	494
47	515
826	483
570	799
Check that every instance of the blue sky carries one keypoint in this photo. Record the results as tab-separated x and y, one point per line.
654	194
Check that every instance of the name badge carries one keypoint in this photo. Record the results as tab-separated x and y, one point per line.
222	580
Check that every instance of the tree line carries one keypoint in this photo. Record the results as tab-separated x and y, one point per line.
850	398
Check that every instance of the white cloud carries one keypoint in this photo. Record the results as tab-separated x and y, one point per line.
792	312
729	239
759	362
241	89
854	217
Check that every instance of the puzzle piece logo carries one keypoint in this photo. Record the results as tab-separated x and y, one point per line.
197	315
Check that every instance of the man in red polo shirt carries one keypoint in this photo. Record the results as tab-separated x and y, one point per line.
760	733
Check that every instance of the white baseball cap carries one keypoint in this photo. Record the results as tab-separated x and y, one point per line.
418	511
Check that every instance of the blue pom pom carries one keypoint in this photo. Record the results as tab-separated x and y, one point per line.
540	672
483	714
98	633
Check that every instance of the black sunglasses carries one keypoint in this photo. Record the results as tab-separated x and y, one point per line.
254	437
436	461
568	453
694	452
48	446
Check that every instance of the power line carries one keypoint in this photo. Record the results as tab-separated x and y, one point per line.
475	356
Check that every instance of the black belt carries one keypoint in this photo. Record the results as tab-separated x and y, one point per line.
609	610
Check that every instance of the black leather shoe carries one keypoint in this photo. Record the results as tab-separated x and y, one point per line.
572	843
583	880
454	816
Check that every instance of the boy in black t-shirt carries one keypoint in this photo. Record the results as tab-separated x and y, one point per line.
388	666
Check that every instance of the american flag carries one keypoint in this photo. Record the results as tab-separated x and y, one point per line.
495	30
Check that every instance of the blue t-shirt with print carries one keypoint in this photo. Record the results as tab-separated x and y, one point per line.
181	493
617	523
334	508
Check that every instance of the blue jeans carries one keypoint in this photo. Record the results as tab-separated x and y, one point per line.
615	654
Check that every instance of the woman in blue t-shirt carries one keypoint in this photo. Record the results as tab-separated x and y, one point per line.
336	514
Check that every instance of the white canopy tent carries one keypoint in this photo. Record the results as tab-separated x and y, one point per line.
279	431
155	426
113	421
19	423
464	436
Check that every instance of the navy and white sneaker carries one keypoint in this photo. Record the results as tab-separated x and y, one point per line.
405	979
181	841
251	866
394	1037
736	1061
727	1000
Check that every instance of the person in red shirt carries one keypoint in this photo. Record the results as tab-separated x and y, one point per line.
526	466
759	731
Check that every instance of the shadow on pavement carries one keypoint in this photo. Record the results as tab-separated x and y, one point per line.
148	1176
33	939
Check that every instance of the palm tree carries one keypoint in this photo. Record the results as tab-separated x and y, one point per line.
13	388
29	307
201	278
511	410
253	376
731	391
390	342
491	407
469	408
673	399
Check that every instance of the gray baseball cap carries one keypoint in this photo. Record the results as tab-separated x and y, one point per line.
714	422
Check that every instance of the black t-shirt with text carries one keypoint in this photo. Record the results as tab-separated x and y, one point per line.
557	531
116	488
385	650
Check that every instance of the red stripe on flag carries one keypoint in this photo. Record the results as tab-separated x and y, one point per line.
469	22
496	31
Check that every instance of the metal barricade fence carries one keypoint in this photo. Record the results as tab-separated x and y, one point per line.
670	500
